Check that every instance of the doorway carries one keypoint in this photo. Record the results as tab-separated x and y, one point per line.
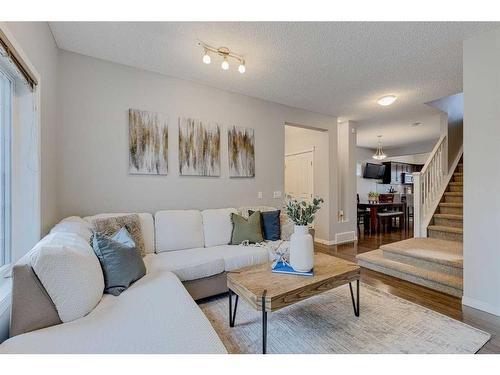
299	175
306	173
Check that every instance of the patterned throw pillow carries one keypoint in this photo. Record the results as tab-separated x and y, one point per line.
246	229
109	226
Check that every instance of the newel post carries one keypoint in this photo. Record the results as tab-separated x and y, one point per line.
417	204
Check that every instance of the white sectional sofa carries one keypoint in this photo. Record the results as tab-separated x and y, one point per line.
187	258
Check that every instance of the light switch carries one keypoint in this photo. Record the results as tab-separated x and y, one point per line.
259	195
277	194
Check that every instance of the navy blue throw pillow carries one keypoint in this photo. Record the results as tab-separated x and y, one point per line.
271	225
120	260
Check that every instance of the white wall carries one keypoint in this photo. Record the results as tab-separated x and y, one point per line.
481	172
300	139
93	140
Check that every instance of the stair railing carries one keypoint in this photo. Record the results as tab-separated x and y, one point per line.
429	185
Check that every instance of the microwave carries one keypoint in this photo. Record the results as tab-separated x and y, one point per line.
407	178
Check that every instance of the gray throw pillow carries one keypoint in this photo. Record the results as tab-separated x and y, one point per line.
120	260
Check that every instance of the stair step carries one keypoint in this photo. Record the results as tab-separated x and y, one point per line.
446	283
456	183
445	232
449	220
454	197
454	193
430	253
451	208
442	228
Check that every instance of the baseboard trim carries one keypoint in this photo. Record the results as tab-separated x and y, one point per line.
333	242
480	305
324	242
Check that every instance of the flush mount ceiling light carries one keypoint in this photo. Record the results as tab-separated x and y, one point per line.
379	154
225	53
387	100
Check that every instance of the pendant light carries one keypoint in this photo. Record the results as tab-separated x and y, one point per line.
379	154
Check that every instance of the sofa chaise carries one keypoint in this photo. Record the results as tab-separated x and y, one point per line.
187	257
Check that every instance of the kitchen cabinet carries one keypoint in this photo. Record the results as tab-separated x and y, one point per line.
394	171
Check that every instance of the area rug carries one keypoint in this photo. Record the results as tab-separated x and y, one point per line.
326	324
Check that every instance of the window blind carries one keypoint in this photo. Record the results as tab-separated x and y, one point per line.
8	52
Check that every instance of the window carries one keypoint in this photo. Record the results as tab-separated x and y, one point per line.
5	168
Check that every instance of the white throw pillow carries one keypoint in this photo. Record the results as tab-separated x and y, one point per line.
178	230
217	226
70	272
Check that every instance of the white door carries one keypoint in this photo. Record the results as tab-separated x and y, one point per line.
299	175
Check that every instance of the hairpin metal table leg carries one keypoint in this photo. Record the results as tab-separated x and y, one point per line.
232	313
264	323
355	304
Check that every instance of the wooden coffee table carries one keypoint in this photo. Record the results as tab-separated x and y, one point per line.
267	291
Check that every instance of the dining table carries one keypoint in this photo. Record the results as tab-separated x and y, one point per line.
375	206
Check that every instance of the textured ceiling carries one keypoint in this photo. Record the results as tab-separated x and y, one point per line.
337	68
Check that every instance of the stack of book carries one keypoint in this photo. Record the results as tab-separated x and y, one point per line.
282	267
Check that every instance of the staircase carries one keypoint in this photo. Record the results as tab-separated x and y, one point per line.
436	261
447	221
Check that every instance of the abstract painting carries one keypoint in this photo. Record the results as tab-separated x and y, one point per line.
199	148
241	152
148	143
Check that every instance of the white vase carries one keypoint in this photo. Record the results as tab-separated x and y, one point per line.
301	249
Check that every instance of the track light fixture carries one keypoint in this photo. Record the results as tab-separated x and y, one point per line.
225	53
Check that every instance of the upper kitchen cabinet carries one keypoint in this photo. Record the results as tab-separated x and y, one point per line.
394	171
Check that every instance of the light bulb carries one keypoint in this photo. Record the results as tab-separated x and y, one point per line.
242	68
206	58
225	64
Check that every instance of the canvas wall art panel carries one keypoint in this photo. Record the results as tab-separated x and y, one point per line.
148	142
241	152
199	148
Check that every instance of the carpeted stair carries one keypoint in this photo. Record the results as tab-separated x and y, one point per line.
431	262
447	222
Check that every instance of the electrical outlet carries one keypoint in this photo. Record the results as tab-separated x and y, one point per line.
277	194
259	195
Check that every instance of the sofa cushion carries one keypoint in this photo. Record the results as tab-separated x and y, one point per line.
147	227
190	264
178	229
236	256
70	272
155	315
74	224
120	260
217	226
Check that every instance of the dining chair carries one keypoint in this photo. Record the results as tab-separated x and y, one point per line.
388	215
363	217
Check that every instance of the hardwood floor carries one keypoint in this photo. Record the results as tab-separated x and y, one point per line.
437	301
